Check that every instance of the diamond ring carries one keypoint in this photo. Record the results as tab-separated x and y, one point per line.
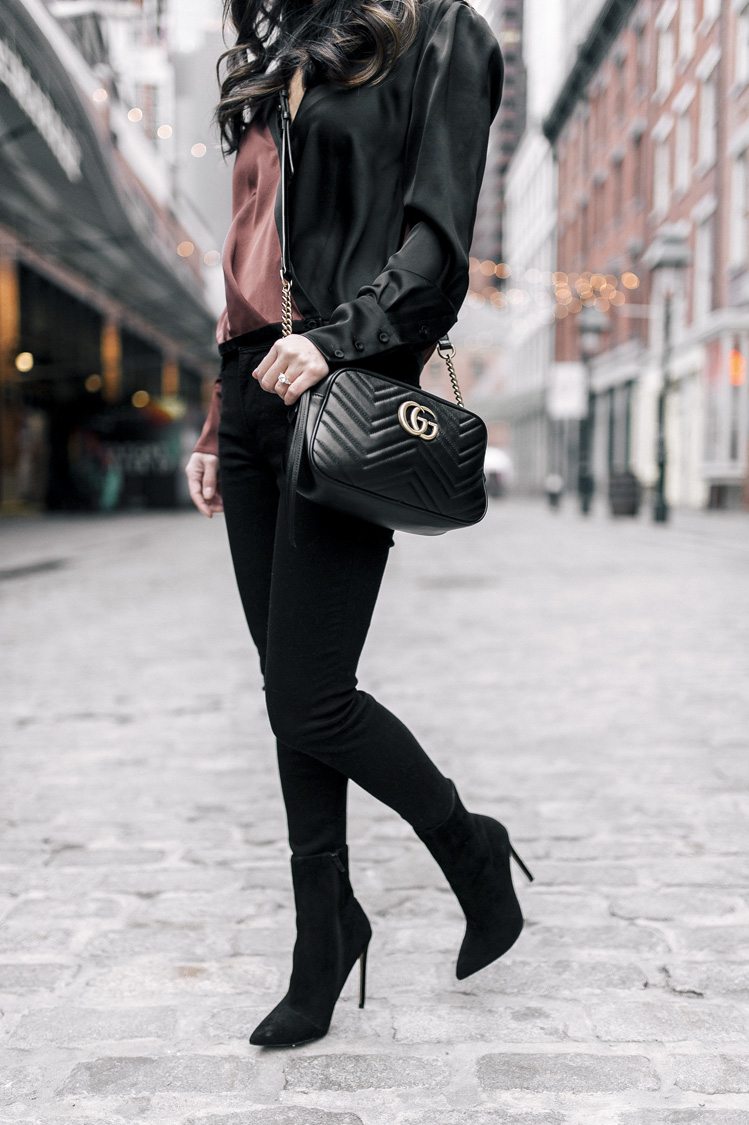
284	379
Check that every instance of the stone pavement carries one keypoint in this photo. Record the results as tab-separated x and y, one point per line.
587	682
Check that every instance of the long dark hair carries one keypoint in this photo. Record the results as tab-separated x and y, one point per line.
351	42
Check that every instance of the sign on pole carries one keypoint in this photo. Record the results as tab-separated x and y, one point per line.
568	393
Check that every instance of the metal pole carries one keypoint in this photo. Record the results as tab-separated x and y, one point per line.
660	505
585	481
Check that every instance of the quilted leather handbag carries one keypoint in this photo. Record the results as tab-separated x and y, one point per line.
376	447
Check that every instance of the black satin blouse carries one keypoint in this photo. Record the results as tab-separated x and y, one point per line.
404	157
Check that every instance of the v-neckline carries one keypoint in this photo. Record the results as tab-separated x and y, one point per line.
299	103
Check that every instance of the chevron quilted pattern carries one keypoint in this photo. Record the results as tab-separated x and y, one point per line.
357	445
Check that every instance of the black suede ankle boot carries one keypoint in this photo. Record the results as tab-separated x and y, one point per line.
474	853
332	933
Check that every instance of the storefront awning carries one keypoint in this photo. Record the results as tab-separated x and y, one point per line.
67	191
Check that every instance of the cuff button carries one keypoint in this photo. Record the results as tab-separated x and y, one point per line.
423	330
338	353
359	345
384	337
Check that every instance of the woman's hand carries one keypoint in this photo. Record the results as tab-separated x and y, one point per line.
299	360
202	476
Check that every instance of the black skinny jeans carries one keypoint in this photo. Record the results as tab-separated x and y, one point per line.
308	609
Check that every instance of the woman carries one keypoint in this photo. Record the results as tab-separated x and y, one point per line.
390	103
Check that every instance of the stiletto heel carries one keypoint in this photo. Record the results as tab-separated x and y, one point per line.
520	864
363	976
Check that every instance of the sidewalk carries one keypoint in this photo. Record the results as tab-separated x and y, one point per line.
586	682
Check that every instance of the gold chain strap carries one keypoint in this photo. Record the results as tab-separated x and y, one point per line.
286	322
447	354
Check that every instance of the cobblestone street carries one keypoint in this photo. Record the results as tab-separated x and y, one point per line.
585	682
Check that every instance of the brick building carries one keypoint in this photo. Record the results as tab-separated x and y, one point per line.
651	133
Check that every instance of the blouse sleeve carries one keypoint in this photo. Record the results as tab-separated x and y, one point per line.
416	298
208	441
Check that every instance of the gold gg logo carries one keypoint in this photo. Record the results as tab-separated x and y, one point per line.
413	417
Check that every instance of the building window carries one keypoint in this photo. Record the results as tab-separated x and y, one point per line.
687	24
708	121
683	169
641	59
637	168
739	228
703	269
599	218
661	176
621	91
665	61
742	46
618	191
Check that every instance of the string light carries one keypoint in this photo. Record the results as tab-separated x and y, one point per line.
93	383
135	115
199	150
141	398
212	258
164	132
24	361
100	95
560	292
185	249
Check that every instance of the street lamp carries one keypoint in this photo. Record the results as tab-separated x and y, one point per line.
592	324
668	254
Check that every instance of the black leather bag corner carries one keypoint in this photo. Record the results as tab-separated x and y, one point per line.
378	448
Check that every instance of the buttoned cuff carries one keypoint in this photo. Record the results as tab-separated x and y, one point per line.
361	328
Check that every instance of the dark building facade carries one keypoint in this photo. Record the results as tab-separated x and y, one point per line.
506	20
106	337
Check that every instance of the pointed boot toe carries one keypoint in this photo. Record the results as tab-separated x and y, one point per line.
284	1027
481	945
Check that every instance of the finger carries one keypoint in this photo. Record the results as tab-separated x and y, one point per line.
299	386
266	362
195	484
288	367
210	477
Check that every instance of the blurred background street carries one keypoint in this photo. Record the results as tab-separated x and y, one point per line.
583	681
578	662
